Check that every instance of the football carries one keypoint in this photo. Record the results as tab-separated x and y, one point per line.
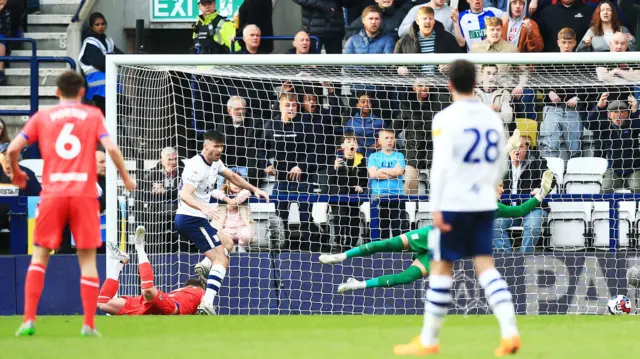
619	305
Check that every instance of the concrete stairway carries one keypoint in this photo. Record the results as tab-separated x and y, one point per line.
50	32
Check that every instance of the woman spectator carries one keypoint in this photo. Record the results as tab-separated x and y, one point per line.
604	24
4	132
520	30
365	125
92	58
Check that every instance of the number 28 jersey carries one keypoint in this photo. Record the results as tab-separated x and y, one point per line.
68	136
469	158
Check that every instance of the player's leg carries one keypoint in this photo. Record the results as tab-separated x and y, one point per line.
495	287
50	221
445	249
395	244
417	270
84	222
499	298
112	282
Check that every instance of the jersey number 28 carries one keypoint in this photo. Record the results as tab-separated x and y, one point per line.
485	146
68	146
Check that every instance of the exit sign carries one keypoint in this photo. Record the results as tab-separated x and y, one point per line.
187	10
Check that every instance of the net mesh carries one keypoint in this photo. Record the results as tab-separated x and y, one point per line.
579	120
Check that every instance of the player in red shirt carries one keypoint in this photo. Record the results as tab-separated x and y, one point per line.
183	301
68	135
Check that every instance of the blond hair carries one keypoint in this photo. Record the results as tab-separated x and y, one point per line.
493	21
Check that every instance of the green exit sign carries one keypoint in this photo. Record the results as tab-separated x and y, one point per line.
187	10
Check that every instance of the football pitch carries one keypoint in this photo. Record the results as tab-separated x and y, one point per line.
303	337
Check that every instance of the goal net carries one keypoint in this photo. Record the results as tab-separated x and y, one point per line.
343	145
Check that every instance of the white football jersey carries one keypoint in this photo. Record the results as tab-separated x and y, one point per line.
469	158
203	176
472	24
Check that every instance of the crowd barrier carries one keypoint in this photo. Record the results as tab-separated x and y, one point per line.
295	283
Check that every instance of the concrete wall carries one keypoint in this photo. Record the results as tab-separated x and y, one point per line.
122	15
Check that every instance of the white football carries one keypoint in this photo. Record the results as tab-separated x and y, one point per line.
619	305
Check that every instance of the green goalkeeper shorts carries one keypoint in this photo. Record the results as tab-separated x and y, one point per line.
419	245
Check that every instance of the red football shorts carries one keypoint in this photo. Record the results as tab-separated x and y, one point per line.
81	213
160	305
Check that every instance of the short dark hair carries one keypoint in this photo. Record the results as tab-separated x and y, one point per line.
69	83
214	136
463	76
194	282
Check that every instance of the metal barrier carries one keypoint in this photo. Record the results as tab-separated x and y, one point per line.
276	38
76	16
34	83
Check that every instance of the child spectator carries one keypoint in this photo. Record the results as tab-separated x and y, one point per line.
386	172
235	215
349	176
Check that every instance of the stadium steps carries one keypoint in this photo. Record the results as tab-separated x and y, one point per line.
49	29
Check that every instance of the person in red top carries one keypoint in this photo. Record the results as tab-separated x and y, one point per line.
67	135
183	301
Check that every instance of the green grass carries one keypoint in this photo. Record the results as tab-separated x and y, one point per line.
304	337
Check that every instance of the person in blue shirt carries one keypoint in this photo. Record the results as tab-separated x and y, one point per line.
386	172
365	125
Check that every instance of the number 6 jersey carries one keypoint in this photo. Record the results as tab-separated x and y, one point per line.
68	136
468	157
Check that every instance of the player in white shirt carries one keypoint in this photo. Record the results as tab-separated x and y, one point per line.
469	160
195	213
471	21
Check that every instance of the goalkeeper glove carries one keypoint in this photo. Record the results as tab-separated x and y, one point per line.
513	142
545	187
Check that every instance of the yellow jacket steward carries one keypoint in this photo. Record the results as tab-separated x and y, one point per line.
213	34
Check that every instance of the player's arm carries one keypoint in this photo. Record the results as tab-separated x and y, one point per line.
186	195
116	156
242	183
533	202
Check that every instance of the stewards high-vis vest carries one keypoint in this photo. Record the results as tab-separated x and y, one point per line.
212	34
95	78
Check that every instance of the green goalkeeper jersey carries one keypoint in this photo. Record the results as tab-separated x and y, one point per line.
419	239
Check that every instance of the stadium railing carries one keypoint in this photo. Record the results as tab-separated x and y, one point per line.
315	39
34	61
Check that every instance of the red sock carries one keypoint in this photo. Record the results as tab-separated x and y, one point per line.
108	290
146	275
32	290
89	292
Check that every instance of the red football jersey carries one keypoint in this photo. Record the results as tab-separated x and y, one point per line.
188	299
68	136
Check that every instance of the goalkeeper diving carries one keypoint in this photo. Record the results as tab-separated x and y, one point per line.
417	241
182	301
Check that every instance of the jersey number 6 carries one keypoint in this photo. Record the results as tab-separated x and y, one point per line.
488	140
67	145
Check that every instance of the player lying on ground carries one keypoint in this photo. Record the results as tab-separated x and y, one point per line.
183	301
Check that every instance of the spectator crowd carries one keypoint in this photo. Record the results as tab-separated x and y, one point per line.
302	136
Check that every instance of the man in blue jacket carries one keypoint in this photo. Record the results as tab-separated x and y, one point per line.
370	40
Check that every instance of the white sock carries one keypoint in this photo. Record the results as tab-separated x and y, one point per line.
113	270
142	255
499	297
214	281
436	306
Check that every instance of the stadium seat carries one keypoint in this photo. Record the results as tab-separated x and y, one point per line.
261	213
150	164
569	225
584	175
528	128
269	184
423	215
600	219
320	212
34	165
410	207
365	209
423	181
556	165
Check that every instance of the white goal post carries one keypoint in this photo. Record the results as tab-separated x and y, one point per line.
587	239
